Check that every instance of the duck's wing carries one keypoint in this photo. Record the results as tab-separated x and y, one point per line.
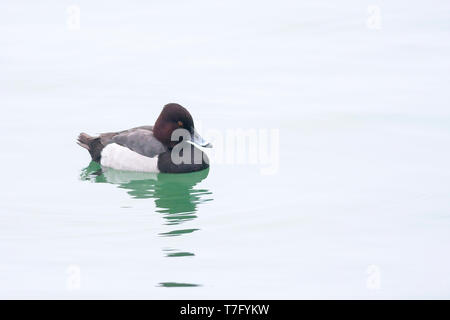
140	140
107	138
131	137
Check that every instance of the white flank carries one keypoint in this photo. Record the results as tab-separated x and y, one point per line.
121	158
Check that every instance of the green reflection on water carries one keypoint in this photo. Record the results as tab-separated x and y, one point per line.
180	254
177	232
175	197
174	194
177	284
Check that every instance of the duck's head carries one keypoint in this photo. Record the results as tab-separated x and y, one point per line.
173	116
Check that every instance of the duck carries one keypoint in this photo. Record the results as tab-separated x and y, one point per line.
152	148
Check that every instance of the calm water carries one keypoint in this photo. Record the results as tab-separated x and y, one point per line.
359	206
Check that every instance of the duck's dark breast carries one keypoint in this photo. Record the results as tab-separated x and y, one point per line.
199	161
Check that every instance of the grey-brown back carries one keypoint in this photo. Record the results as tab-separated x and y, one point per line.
139	139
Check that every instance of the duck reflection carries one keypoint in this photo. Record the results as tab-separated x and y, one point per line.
175	197
174	194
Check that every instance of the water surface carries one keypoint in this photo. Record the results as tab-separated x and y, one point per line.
359	207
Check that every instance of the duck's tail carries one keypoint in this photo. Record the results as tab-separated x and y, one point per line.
92	144
84	139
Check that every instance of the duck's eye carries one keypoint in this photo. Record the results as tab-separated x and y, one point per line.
180	124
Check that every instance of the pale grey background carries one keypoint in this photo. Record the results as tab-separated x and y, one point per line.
364	123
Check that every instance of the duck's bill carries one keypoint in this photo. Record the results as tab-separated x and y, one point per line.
198	140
